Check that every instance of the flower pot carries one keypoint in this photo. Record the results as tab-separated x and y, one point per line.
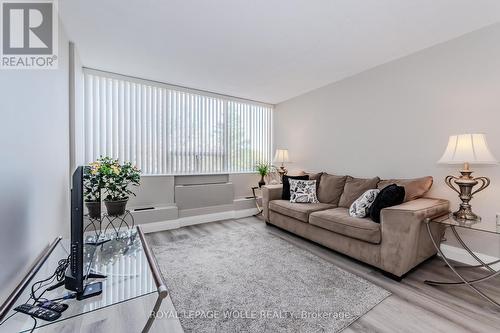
116	208
262	182
94	208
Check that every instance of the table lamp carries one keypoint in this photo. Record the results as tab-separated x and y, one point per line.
467	149
281	156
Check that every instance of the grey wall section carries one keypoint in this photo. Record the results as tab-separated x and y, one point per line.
204	195
34	172
156	191
190	195
394	120
243	183
159	191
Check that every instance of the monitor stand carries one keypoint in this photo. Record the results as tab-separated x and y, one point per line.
91	290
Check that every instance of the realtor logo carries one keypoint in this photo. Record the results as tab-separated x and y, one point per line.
29	34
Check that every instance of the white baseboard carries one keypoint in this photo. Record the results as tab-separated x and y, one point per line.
193	220
460	255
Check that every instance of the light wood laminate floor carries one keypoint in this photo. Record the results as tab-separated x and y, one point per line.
413	306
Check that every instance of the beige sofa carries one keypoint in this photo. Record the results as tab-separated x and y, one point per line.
395	245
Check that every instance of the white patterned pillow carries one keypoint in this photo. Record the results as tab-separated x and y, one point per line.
360	207
303	191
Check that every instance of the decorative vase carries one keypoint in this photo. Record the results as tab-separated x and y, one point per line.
94	208
116	208
262	182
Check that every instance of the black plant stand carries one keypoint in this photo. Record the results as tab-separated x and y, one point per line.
106	221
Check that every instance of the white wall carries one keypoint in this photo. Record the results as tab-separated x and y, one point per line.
243	183
34	171
394	120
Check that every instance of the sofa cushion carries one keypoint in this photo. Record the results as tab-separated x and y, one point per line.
330	188
414	188
339	221
299	211
389	196
303	191
286	185
361	206
354	188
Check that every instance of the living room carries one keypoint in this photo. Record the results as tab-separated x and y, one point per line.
265	166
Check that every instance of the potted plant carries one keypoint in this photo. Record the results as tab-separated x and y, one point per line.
263	169
92	190
116	180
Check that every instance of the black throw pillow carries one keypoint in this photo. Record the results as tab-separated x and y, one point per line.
285	195
391	195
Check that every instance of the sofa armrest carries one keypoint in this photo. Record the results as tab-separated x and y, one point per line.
405	242
269	193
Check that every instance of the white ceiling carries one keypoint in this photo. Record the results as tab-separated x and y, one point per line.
265	50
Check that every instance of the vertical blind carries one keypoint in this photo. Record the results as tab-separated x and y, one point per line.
165	129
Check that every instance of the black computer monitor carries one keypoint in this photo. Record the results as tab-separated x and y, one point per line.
77	274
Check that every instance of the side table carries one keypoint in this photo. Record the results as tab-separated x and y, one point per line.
256	198
450	222
132	273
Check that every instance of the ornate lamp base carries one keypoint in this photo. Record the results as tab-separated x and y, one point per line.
465	192
465	213
282	171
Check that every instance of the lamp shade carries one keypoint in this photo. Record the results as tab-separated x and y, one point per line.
467	148
281	155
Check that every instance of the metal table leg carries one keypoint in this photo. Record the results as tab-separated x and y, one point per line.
156	308
469	250
464	281
160	284
259	209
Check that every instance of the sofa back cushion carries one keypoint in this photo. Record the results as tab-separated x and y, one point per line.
354	188
316	177
330	188
414	188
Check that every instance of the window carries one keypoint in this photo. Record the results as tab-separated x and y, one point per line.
165	129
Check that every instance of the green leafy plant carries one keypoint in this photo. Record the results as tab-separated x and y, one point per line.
263	169
91	183
106	173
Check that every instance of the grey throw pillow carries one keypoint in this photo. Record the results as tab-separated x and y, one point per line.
361	207
303	191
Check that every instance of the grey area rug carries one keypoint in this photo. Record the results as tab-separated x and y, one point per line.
235	276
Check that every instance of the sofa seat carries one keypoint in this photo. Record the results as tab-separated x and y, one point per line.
299	211
339	221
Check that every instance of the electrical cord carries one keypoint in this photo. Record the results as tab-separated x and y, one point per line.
58	275
63	298
34	326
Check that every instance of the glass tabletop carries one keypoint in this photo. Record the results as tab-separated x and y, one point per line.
482	225
121	259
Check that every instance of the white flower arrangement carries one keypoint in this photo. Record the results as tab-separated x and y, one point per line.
114	179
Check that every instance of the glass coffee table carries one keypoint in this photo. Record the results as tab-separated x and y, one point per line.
125	259
482	226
